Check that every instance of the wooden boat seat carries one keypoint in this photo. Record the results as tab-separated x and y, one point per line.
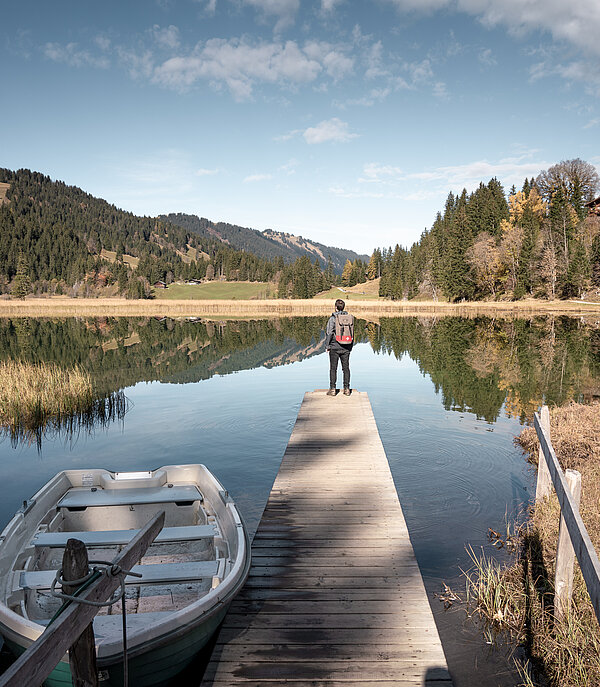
160	573
122	537
84	498
108	625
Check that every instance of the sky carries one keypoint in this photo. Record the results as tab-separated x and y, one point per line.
342	121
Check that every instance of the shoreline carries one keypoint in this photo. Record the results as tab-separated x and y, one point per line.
120	307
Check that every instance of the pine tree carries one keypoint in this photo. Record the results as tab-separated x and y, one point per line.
21	285
595	261
347	273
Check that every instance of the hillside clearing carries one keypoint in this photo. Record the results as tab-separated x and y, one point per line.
218	290
361	292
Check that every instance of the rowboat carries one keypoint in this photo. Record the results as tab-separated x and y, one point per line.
189	575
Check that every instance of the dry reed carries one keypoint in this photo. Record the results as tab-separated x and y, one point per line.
30	394
39	398
516	600
73	307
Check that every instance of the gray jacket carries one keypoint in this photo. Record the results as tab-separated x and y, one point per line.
330	341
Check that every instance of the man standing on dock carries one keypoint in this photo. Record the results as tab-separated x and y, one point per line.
339	339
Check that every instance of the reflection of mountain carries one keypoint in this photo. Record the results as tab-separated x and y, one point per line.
265	354
119	352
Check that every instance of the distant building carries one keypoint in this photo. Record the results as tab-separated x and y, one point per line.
159	285
593	207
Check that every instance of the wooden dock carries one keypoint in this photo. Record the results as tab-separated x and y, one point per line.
335	595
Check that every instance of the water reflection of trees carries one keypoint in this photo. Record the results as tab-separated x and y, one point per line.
101	413
120	352
480	365
483	364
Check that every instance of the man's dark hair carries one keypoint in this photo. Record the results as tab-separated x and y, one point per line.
339	304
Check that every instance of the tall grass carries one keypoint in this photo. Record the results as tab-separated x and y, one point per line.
517	600
37	397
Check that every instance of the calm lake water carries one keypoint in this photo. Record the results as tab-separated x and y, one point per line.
449	395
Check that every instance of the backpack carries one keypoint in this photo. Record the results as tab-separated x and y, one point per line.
344	328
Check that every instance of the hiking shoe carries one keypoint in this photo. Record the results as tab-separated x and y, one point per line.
331	392
347	392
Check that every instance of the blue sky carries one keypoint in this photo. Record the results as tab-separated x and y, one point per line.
345	122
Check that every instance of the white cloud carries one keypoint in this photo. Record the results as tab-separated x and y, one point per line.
577	23
375	65
103	43
419	71
334	60
257	177
330	5
167	37
440	90
328	130
342	192
72	55
585	72
239	65
592	123
419	5
376	95
486	57
206	172
289	167
374	172
509	171
138	64
283	10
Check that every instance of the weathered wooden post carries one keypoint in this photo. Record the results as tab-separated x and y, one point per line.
565	554
82	653
544	480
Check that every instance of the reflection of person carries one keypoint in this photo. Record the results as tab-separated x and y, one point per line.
337	352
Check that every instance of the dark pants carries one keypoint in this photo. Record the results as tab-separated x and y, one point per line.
344	357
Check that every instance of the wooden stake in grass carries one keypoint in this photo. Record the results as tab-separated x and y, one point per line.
565	554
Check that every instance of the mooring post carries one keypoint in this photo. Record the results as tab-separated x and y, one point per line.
565	554
544	480
82	653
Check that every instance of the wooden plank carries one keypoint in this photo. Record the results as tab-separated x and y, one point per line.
337	652
375	638
40	659
323	670
334	595
121	537
172	573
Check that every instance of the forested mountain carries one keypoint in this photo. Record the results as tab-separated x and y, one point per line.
266	244
540	242
60	239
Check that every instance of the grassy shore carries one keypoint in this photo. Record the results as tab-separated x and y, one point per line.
73	307
517	600
32	394
35	398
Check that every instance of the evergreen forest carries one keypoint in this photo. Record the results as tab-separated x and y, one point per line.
57	239
541	242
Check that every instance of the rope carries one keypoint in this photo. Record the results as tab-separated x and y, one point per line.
96	571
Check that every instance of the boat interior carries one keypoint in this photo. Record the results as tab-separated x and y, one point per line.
188	558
